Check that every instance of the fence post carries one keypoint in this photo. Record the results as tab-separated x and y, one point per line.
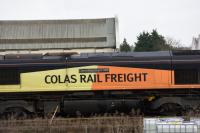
86	129
53	115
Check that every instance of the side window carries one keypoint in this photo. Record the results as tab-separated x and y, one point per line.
187	76
9	76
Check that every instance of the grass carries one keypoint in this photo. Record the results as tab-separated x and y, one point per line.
122	124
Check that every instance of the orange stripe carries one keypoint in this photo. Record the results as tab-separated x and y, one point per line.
123	79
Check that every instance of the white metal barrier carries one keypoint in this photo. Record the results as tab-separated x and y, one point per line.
176	128
171	125
150	125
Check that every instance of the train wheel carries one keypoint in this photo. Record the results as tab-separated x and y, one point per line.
15	113
170	109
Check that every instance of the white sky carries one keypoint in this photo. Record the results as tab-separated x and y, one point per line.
179	19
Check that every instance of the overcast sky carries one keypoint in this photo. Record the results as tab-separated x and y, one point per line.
179	19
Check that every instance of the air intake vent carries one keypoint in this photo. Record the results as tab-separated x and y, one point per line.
9	76
186	52
186	76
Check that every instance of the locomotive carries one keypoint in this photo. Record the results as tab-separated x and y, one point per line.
164	82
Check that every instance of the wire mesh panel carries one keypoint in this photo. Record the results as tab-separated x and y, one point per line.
150	125
176	128
197	121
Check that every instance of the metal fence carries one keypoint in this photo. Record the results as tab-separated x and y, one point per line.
171	125
75	125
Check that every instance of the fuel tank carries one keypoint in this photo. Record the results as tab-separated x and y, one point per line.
88	107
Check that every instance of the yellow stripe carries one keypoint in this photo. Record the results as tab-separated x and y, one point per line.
35	81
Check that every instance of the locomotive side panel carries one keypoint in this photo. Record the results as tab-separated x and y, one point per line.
107	83
94	78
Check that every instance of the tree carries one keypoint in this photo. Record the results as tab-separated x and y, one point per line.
151	42
175	44
172	42
125	47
